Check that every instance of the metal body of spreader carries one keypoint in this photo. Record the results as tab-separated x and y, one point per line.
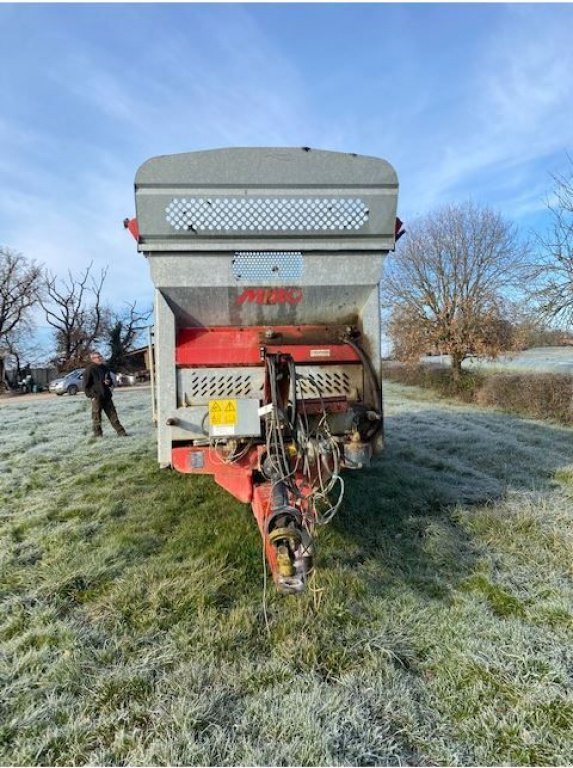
266	265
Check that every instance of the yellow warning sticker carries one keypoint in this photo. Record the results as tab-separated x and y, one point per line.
222	412
215	412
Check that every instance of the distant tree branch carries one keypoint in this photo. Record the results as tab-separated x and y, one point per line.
551	274
124	330
20	282
73	308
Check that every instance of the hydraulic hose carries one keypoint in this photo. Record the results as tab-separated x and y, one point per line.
374	386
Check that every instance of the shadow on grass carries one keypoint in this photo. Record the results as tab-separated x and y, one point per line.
400	518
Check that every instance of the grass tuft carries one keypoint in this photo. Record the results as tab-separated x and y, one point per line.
501	602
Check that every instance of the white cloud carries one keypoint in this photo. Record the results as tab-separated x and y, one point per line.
516	117
68	217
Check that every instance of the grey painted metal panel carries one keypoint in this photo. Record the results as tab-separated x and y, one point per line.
190	424
334	290
306	243
277	167
190	421
256	198
354	268
342	380
165	366
196	386
219	306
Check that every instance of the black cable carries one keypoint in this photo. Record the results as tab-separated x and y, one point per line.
367	363
292	387
375	387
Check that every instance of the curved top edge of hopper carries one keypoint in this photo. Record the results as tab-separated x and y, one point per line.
266	165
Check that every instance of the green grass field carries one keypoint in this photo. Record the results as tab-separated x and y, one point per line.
439	629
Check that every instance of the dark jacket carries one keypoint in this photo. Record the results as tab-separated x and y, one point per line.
98	381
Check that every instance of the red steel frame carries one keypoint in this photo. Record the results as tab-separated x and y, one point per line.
233	347
230	347
237	479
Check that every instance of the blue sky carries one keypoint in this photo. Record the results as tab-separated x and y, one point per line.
464	100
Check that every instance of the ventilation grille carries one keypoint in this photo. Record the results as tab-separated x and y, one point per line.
220	385
266	214
267	266
196	386
324	383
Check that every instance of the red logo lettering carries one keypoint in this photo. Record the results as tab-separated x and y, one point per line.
270	296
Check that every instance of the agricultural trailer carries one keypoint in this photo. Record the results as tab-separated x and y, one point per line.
266	264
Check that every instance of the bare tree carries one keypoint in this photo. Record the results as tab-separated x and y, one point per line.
74	309
123	332
552	274
447	287
20	282
23	345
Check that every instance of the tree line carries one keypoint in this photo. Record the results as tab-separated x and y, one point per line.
463	282
71	305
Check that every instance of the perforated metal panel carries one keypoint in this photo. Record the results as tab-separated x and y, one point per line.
329	381
268	266
196	386
199	385
266	214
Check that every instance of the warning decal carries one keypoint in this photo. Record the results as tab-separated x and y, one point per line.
222	412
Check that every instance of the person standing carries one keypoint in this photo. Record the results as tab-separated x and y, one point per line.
97	386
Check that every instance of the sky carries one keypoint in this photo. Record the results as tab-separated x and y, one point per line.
464	100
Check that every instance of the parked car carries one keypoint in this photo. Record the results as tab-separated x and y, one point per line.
125	379
71	383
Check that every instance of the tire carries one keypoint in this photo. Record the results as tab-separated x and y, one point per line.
72	389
